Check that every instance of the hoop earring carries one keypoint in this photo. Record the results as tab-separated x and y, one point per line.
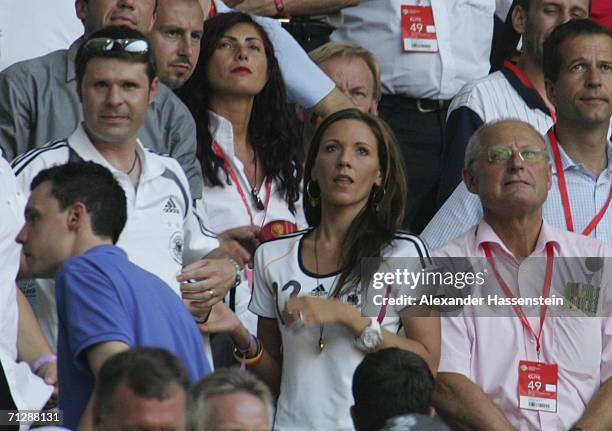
378	197
312	200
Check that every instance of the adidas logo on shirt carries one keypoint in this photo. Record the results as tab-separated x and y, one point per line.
318	291
171	207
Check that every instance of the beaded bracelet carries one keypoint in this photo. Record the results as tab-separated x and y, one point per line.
244	361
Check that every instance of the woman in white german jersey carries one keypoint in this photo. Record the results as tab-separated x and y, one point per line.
314	326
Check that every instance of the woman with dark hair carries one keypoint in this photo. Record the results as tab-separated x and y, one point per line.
312	288
248	147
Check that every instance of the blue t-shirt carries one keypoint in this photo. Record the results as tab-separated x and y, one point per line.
102	296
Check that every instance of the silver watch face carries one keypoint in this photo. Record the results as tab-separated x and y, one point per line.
371	337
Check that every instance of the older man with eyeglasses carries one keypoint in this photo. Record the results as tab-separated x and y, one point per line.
488	359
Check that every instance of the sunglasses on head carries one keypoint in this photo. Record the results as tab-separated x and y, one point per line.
105	44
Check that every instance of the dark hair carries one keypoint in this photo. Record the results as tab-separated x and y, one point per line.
374	227
389	383
570	30
94	186
272	129
149	372
85	53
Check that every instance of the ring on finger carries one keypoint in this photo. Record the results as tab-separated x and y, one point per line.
211	292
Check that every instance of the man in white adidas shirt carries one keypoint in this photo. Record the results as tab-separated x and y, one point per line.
116	81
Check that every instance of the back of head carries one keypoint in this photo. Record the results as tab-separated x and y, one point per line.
150	373
553	56
348	50
94	186
389	383
224	381
116	42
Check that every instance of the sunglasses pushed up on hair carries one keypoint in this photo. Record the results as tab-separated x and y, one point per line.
105	44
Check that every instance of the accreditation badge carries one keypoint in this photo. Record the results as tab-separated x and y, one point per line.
581	296
538	383
418	28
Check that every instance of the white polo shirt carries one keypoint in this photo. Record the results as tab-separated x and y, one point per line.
162	232
29	392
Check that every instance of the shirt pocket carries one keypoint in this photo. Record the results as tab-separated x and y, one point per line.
578	344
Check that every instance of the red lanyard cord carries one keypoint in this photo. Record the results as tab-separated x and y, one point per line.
550	255
567	211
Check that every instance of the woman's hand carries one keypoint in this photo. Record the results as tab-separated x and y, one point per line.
223	320
307	311
240	242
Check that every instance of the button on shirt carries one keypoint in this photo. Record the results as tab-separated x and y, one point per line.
587	195
464	30
487	350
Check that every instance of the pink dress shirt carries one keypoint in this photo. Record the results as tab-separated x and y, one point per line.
487	350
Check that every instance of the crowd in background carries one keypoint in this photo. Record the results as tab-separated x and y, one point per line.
192	188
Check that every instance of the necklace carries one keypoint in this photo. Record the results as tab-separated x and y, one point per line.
254	193
322	327
133	163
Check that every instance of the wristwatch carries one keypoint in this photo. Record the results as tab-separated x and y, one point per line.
238	279
370	337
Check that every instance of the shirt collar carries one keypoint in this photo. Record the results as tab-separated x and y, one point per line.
566	160
222	132
82	145
529	95
107	249
485	233
71	57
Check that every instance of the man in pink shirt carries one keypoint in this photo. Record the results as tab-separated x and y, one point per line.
487	362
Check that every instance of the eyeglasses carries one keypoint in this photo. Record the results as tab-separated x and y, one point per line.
503	154
104	44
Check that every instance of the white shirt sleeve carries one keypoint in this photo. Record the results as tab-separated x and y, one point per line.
306	83
198	240
263	300
461	211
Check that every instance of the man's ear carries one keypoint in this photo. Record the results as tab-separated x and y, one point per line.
80	7
470	180
432	411
77	214
519	19
374	108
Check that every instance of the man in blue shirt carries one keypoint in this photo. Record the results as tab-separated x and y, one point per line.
106	304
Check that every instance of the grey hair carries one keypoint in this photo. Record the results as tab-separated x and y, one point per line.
475	145
224	381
